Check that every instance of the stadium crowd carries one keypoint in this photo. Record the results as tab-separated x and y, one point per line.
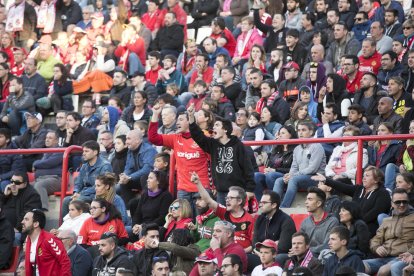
148	90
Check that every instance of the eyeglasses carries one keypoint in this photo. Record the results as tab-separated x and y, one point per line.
225	266
358	19
94	208
264	202
401	202
16	182
174	207
231	197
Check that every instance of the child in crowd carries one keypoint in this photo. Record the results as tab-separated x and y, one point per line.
200	90
143	127
267	251
254	131
119	160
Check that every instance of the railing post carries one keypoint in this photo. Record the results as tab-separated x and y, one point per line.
360	156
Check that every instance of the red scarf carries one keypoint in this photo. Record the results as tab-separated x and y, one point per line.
266	102
201	218
305	262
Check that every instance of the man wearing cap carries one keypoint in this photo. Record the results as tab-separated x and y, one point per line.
19	57
131	51
71	14
267	251
139	83
111	256
207	264
17	103
289	88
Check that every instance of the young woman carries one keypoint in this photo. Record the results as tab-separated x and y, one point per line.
205	120
299	114
257	59
7	44
271	127
105	188
78	213
178	217
138	110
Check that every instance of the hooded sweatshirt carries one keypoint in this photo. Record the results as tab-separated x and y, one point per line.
351	259
101	266
319	83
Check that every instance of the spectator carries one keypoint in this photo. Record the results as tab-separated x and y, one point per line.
384	43
276	32
5	77
105	188
200	93
23	29
316	79
17	68
278	106
225	108
408	73
154	66
160	267
267	252
270	127
55	258
138	110
359	235
120	155
232	265
318	55
389	246
170	74
338	241
332	202
33	137
368	96
18	102
106	141
60	94
232	172
289	87
319	223
89	119
93	166
389	67
299	114
120	88
303	167
7	238
139	83
301	256
202	71
178	217
170	38
294	52
221	33
388	4
214	51
370	59
306	96
342	165
111	256
9	163
80	260
188	158
152	18
148	257
78	213
46	61
402	100
362	25
104	218
344	43
278	163
249	37
203	13
355	118
367	196
207	264
140	159
387	115
154	203
253	92
48	171
352	73
33	82
233	212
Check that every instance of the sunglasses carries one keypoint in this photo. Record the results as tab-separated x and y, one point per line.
401	202
16	182
358	19
407	28
174	207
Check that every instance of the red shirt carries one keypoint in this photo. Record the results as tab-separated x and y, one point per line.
354	85
136	46
152	75
207	76
244	226
152	21
17	70
231	41
91	232
371	64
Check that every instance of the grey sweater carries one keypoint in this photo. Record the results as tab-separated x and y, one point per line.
308	159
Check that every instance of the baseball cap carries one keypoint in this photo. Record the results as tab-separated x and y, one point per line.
267	243
34	114
291	65
15	49
206	257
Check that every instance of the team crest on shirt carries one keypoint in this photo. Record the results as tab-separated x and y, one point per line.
39	252
111	229
373	63
243	226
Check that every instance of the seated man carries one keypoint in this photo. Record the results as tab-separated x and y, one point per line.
160	267
33	82
386	244
170	37
202	71
169	74
225	108
89	119
106	145
232	265
387	114
207	264
120	87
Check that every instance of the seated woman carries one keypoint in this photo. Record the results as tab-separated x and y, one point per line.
138	110
257	59
299	113
382	153
342	165
104	218
182	249
277	164
350	217
179	216
78	213
271	128
371	196
154	203
105	189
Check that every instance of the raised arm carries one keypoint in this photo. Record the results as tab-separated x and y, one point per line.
203	193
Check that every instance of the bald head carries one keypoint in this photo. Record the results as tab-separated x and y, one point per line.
134	139
317	53
385	105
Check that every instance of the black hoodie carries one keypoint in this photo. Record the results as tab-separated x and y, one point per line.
120	259
230	164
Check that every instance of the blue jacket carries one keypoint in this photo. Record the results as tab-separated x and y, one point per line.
383	76
85	182
361	30
390	155
380	12
213	56
80	260
140	163
350	259
92	122
50	164
120	206
175	77
113	118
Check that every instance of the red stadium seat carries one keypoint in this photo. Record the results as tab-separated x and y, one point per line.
14	261
31	177
298	218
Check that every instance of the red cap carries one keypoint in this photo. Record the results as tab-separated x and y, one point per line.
207	257
15	49
291	65
267	243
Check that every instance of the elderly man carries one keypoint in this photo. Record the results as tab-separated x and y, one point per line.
384	43
317	55
46	60
80	259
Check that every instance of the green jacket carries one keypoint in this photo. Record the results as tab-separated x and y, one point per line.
182	257
204	231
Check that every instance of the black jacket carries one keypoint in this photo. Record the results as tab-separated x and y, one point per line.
143	260
274	38
30	140
80	136
122	92
351	259
230	164
280	110
80	260
372	110
209	7
6	242
225	109
120	259
359	238
71	14
170	38
314	265
119	161
152	209
128	116
15	207
281	160
280	228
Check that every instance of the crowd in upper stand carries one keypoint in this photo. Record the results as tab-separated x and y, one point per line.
257	70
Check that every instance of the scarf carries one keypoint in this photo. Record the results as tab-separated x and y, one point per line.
203	217
266	102
305	262
344	149
46	16
102	222
15	18
242	42
154	194
187	63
